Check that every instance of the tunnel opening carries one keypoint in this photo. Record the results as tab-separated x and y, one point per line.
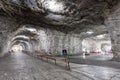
17	48
24	39
98	47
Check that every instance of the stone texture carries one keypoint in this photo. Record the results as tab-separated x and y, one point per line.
113	24
67	15
6	28
59	26
18	66
52	41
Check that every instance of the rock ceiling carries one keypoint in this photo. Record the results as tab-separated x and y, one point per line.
63	15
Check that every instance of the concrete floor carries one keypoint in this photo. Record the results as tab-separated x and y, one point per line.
20	66
101	57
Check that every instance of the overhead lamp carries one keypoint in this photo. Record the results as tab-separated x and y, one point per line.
100	36
31	29
90	32
55	16
20	36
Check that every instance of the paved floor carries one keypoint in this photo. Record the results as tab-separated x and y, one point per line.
101	57
23	67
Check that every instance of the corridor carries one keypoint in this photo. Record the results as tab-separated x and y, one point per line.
59	39
19	66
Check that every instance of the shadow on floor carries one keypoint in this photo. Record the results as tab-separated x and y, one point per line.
109	63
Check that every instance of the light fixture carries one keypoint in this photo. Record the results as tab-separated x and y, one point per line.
55	16
90	32
20	36
100	36
31	29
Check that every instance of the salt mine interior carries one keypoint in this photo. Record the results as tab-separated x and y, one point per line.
59	39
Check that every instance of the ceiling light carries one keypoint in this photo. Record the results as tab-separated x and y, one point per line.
20	36
100	36
55	16
31	29
89	32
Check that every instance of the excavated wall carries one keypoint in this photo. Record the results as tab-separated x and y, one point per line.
113	24
7	26
50	41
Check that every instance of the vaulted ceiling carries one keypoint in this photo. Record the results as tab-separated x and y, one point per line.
62	15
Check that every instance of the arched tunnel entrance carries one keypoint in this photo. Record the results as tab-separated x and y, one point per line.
17	48
97	48
24	39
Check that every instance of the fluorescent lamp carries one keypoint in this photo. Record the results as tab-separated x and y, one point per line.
89	32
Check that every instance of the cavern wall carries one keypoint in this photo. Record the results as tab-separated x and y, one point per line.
7	26
113	24
52	41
